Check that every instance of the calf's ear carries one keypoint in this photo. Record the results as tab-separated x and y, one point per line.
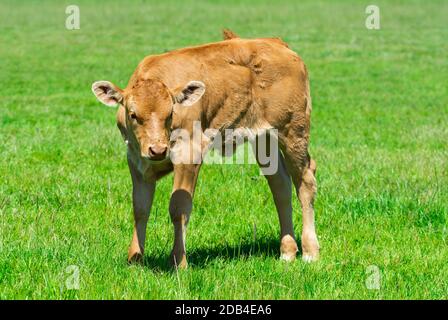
107	93
190	94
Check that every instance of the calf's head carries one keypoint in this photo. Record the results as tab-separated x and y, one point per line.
146	110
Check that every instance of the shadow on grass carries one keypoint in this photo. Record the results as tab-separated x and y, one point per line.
201	257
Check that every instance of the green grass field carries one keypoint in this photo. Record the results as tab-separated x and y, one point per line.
379	136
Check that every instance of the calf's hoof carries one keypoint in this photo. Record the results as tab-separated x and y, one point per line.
310	257
310	249
136	258
178	261
288	249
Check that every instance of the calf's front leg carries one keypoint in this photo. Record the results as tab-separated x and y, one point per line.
142	197
181	203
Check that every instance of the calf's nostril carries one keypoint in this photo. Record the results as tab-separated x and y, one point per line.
157	151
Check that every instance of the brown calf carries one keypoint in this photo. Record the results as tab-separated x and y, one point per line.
236	83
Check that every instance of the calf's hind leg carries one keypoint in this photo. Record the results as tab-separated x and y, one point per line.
280	185
302	170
